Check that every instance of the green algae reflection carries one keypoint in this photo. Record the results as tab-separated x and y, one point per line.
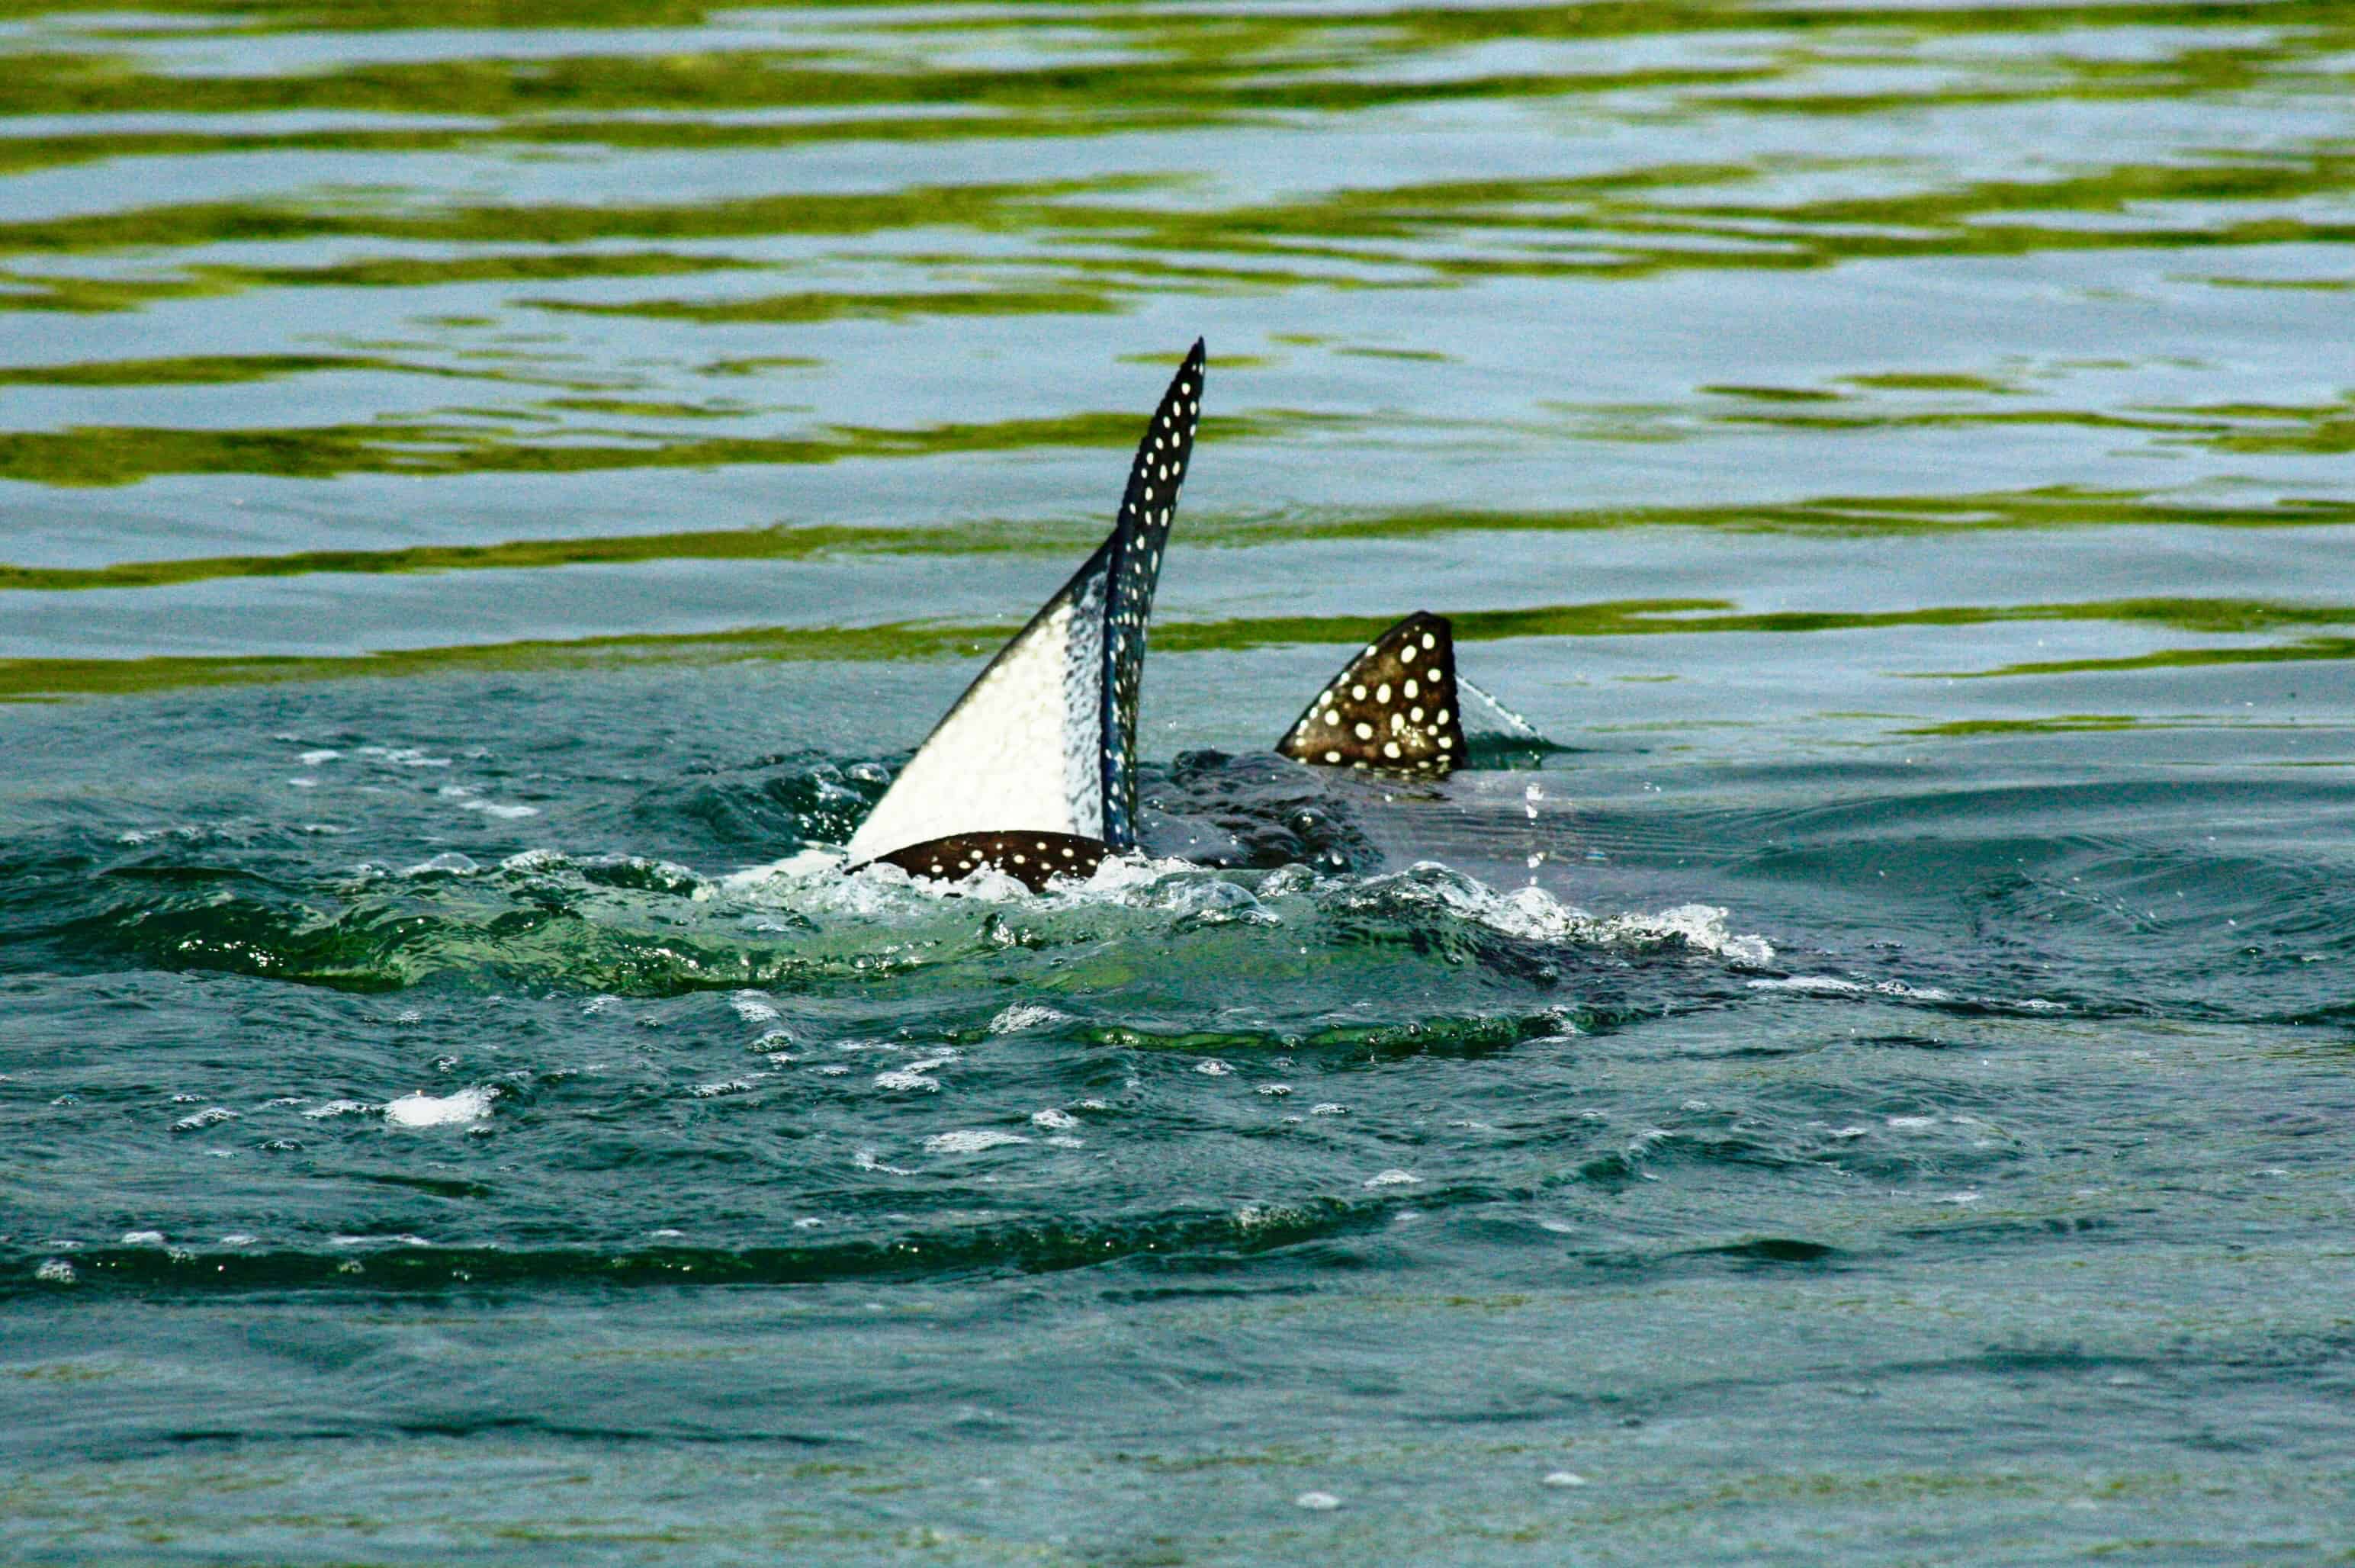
45	678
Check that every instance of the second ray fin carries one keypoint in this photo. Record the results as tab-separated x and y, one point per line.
1394	706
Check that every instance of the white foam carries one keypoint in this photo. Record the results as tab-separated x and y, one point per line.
1212	1068
752	1006
812	883
1053	1119
1318	1502
1699	926
142	1238
1530	913
904	1079
1393	1178
805	865
1025	1015
422	1110
970	1141
1119	876
55	1271
212	1116
338	1108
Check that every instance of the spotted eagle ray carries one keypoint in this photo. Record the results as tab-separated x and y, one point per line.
1034	769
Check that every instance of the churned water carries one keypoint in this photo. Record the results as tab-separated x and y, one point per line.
1860	1069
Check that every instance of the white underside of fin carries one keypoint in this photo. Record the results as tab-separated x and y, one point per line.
1022	750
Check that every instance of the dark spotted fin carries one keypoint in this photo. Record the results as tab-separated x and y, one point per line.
1031	859
1146	509
1044	740
1394	706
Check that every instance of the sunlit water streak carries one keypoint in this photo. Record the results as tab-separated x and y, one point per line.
1856	1068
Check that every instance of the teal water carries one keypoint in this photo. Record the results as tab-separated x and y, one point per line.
1859	1072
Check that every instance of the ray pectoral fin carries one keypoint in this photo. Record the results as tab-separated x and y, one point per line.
1044	742
1031	859
1394	706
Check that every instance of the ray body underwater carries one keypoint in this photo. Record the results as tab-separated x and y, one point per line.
704	859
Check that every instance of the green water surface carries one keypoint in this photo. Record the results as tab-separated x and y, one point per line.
1859	1072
